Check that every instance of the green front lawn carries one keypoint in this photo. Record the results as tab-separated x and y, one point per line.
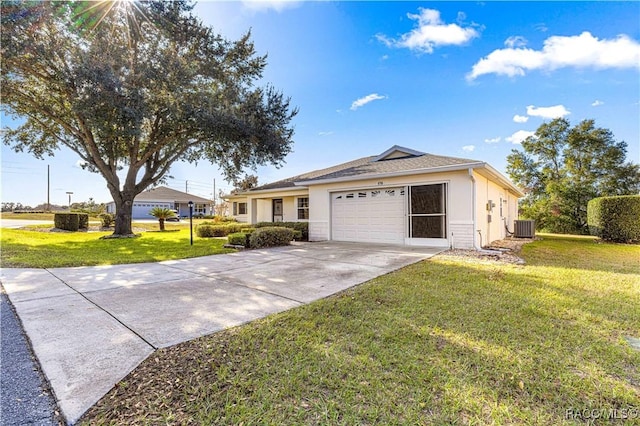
445	341
33	249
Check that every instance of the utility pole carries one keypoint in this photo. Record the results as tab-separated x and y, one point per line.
69	194
213	210
186	186
48	190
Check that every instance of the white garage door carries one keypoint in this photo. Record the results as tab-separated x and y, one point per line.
141	209
372	216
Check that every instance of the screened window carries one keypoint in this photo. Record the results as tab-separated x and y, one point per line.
303	208
427	211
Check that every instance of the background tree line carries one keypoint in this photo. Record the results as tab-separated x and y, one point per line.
561	168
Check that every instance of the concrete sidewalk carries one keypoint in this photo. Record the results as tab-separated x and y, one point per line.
90	326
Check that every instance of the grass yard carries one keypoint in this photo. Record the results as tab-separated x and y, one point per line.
27	216
445	341
33	249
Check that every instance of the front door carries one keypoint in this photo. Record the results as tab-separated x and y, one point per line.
277	210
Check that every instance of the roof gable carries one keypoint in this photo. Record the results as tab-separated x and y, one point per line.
395	161
396	152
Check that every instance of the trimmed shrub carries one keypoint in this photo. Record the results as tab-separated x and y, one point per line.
270	236
83	221
615	218
208	229
303	227
107	219
239	239
69	221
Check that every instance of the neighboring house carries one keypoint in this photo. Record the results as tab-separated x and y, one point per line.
162	196
401	196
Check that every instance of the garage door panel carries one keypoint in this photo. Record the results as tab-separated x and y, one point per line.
369	216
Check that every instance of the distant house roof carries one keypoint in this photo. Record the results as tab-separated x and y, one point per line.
162	193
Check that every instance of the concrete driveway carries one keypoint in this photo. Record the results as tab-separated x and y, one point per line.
90	326
19	223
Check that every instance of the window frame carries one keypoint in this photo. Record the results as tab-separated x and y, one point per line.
442	214
304	209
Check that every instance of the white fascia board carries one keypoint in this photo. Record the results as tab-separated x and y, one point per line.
452	168
264	191
502	179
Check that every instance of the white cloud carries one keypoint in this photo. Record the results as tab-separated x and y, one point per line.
324	133
365	100
264	5
542	27
582	51
515	41
520	118
597	103
493	140
469	148
519	136
547	112
430	32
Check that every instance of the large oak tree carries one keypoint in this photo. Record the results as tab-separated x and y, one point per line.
132	87
561	168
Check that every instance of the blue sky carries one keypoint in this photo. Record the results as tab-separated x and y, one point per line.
464	79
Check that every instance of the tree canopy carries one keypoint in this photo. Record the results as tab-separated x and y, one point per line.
561	168
133	87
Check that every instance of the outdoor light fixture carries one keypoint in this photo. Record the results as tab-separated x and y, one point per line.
191	222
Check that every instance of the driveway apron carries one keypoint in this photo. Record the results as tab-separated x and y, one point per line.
90	326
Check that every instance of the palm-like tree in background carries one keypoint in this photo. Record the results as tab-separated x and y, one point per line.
162	213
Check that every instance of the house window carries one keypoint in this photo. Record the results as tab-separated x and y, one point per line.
199	209
427	211
303	208
239	208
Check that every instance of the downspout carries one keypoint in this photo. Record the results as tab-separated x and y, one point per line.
473	206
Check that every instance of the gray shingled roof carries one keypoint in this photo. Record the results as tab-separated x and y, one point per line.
162	193
368	167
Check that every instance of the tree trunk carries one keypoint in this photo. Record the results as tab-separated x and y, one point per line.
161	224
124	211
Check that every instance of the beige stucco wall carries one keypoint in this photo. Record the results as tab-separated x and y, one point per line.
494	229
462	232
459	202
260	206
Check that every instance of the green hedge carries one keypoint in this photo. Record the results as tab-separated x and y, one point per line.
208	229
271	236
303	227
615	218
71	221
239	239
